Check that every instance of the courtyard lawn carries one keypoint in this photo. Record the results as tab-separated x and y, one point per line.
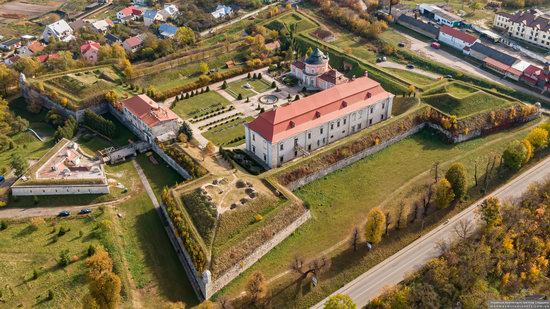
465	106
26	248
341	200
155	268
226	134
200	104
413	78
257	86
92	143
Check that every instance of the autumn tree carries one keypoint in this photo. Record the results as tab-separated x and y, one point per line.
538	137
256	287
475	5
103	284
204	68
444	194
340	301
529	151
514	155
27	65
8	79
18	164
489	212
374	228
456	175
185	36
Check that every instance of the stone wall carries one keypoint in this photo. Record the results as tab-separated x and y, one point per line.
352	159
236	270
22	190
173	164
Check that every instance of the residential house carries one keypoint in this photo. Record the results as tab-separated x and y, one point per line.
439	15
133	44
151	16
79	24
112	39
222	11
45	58
324	34
537	77
60	30
128	13
418	26
31	48
10	44
12	60
169	11
273	46
293	130
531	26
150	118
456	38
167	31
315	72
102	26
90	51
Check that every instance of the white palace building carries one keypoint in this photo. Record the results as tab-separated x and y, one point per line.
295	129
315	72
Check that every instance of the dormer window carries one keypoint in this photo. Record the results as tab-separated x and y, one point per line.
369	95
292	124
344	104
317	114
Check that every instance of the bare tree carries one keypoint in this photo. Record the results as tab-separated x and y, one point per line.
475	173
415	212
436	171
428	199
316	266
225	302
463	229
402	215
442	246
355	238
388	222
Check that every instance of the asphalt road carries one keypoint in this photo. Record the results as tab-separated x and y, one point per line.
394	269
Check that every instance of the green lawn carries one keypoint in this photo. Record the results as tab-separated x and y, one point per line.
152	261
200	104
224	134
93	143
341	200
467	105
25	249
403	104
459	90
413	78
258	86
301	23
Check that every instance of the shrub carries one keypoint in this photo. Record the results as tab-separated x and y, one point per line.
273	84
34	274
3	225
529	148
258	217
514	155
456	175
240	96
64	258
444	194
538	137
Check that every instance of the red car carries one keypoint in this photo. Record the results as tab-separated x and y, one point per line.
436	45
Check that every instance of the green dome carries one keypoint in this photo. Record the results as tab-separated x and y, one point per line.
317	57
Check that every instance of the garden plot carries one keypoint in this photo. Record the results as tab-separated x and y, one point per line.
228	134
200	105
247	87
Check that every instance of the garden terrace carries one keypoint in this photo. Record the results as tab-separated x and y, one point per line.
247	87
229	217
229	133
200	105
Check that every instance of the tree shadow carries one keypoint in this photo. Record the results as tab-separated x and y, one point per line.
26	231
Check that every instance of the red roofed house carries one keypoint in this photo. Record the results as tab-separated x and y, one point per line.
150	118
283	134
456	38
128	13
31	48
44	58
315	72
537	77
132	44
90	51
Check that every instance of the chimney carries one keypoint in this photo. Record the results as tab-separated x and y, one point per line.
366	73
353	77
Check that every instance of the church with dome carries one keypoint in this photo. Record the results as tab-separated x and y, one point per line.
315	73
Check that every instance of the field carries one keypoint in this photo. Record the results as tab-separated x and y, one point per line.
465	106
237	87
200	104
225	134
340	201
26	248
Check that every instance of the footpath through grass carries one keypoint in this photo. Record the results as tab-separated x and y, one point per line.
341	200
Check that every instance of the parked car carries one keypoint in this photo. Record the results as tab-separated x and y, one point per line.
2	179
410	66
448	76
436	45
64	213
84	211
381	59
401	44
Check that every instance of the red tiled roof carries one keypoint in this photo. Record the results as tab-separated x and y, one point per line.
496	64
458	34
89	45
299	64
319	108
149	111
273	45
539	73
334	77
36	47
133	41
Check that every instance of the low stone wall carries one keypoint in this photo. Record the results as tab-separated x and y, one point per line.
22	190
352	159
236	270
